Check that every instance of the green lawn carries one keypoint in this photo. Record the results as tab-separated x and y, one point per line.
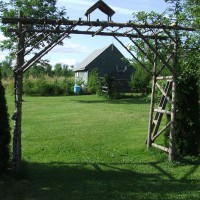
90	148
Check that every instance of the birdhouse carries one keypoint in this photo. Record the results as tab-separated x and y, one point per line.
103	7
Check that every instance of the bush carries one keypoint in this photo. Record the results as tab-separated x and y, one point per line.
94	85
187	128
4	130
113	87
8	86
47	86
29	87
140	81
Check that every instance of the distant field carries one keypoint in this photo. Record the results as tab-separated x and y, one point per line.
91	148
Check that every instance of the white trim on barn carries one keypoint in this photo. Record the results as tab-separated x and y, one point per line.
81	76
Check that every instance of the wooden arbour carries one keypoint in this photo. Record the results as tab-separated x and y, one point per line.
152	35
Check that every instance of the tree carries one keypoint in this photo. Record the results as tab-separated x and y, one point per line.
140	81
187	126
67	71
32	9
187	135
36	71
47	67
6	68
184	13
24	44
4	130
58	70
63	70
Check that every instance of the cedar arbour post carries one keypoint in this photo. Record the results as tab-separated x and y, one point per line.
17	117
173	103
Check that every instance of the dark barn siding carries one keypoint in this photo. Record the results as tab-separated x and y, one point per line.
110	61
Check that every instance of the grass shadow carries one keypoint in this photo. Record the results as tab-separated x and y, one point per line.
95	181
114	101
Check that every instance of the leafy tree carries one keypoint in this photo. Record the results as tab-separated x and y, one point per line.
47	67
4	130
58	70
185	13
6	68
32	9
35	71
63	70
67	71
187	135
140	80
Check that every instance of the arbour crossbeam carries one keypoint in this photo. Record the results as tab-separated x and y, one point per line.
63	21
59	29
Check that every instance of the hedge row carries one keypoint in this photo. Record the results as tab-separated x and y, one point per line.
43	86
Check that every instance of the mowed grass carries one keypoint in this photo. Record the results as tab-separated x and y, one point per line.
91	148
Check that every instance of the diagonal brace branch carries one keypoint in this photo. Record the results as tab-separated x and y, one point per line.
153	49
134	56
44	51
135	43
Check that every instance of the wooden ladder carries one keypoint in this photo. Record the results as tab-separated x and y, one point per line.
159	112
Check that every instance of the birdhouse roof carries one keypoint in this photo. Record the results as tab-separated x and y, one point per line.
101	6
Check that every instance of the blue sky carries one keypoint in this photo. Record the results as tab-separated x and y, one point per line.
79	47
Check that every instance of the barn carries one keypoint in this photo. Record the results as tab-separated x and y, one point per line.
108	60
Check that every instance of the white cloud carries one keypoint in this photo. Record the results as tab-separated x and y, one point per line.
123	11
70	47
3	55
66	61
81	4
2	37
78	2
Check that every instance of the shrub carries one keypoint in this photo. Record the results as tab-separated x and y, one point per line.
48	86
8	85
113	87
94	85
140	81
29	87
187	128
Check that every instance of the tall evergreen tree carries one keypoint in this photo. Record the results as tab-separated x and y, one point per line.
4	130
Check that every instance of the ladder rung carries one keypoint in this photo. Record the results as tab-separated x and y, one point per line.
170	78
162	111
155	122
160	147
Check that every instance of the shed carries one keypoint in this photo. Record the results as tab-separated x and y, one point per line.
108	60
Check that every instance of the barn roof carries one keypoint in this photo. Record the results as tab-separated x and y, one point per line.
90	58
82	66
101	6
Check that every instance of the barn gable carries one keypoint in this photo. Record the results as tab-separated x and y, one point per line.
108	60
